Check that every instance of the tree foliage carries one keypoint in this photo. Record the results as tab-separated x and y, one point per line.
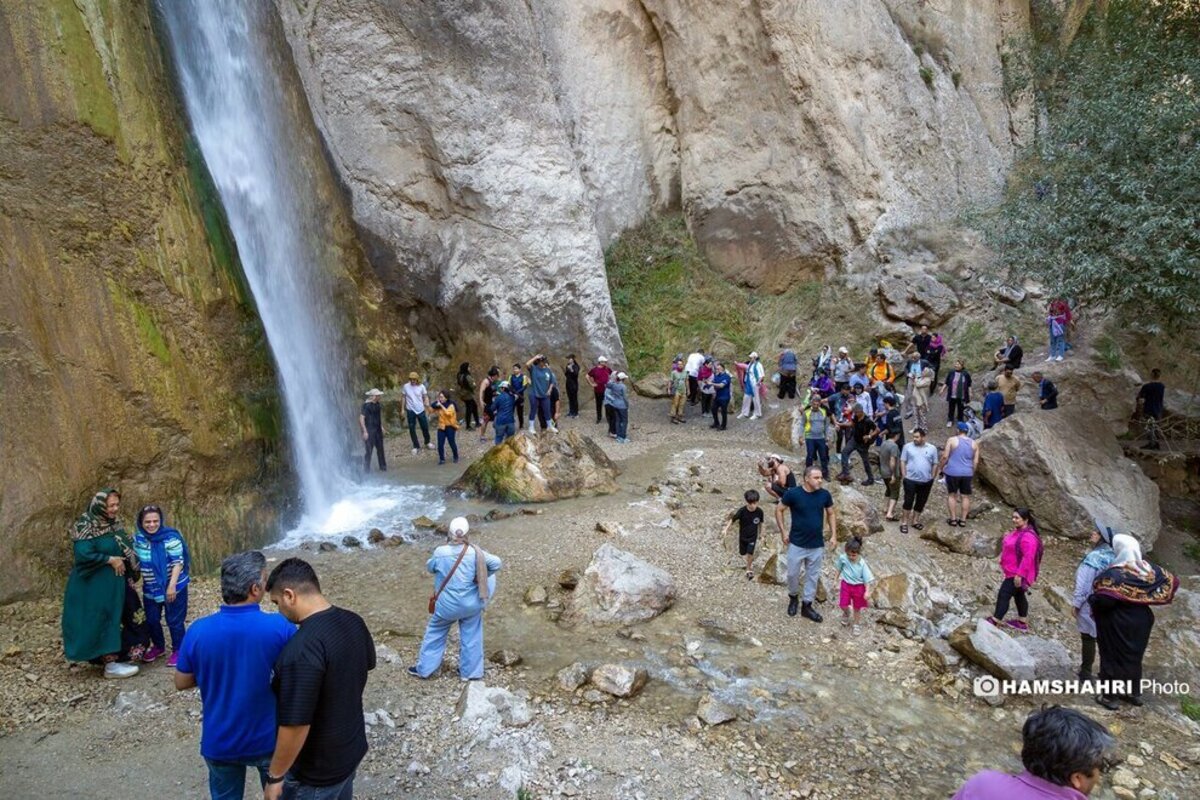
1104	205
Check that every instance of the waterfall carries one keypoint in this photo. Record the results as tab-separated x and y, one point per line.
237	106
252	128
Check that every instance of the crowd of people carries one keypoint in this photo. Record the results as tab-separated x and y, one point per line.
282	693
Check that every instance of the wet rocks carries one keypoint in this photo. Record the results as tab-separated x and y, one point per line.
424	523
967	541
619	588
538	468
712	711
351	541
619	680
326	547
1070	467
994	650
375	536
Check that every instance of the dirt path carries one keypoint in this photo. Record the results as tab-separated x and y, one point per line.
823	714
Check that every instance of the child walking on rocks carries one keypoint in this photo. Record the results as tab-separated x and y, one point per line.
855	575
750	521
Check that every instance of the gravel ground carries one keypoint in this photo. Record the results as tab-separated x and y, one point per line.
822	713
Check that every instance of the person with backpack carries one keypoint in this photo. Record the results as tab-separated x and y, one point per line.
1020	559
466	383
788	364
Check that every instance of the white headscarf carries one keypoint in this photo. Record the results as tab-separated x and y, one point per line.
1129	553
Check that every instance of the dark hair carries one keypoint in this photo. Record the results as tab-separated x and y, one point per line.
889	399
494	372
854	544
808	470
150	509
572	356
920	430
1027	515
1154	373
295	574
751	496
1059	742
464	367
240	573
516	366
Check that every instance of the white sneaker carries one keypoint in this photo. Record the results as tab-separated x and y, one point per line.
430	446
553	429
1049	358
1060	358
949	424
416	450
114	669
740	416
757	416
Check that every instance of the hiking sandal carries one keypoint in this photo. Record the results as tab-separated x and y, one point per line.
904	529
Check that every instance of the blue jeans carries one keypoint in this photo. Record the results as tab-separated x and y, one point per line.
227	779
814	449
444	436
1058	346
621	421
504	430
176	614
541	409
294	790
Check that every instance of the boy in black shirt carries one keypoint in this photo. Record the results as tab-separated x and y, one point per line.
318	682
750	521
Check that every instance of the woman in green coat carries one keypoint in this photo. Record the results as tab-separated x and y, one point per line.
95	597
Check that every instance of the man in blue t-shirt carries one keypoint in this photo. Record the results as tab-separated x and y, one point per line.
993	405
812	507
230	655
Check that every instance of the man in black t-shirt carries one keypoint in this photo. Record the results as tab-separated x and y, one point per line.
318	683
750	519
370	422
1151	403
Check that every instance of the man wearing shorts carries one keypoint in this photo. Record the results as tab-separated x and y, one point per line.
889	469
918	469
750	521
960	459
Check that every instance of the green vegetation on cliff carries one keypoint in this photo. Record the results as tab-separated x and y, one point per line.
1101	206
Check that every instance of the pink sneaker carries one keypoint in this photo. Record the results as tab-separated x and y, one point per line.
1017	625
153	654
173	659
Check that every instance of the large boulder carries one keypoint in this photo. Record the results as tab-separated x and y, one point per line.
857	514
618	588
488	707
1051	659
1070	470
908	592
655	386
991	648
786	429
967	541
538	468
917	300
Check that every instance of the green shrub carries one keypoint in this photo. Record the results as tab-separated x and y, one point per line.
927	76
1190	707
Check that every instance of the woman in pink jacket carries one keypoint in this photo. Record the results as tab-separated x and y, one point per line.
1020	557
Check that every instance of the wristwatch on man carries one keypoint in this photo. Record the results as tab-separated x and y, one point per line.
272	780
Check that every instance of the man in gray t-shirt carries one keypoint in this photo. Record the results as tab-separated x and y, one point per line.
816	427
889	468
918	468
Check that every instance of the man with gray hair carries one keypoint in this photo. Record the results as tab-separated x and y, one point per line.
229	655
1064	754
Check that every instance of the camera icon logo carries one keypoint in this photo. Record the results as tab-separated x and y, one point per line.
987	686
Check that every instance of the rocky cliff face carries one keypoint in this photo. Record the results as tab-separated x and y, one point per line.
129	352
491	149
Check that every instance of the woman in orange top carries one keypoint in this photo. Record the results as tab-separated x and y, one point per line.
447	422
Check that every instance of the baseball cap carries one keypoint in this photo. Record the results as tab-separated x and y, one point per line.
964	427
503	384
621	376
602	359
459	525
843	350
754	355
412	376
373	392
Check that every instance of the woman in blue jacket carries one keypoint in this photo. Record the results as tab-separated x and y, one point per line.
464	579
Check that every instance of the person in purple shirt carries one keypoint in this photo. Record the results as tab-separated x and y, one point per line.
1064	753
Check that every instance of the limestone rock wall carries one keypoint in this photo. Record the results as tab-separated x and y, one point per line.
490	149
130	354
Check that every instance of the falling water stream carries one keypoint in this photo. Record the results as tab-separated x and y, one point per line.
264	159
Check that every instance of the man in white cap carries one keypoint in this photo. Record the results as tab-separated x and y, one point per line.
598	377
842	368
464	579
370	423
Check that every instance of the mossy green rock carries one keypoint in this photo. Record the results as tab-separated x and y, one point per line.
538	468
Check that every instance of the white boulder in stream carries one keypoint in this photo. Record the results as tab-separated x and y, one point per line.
619	680
618	588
